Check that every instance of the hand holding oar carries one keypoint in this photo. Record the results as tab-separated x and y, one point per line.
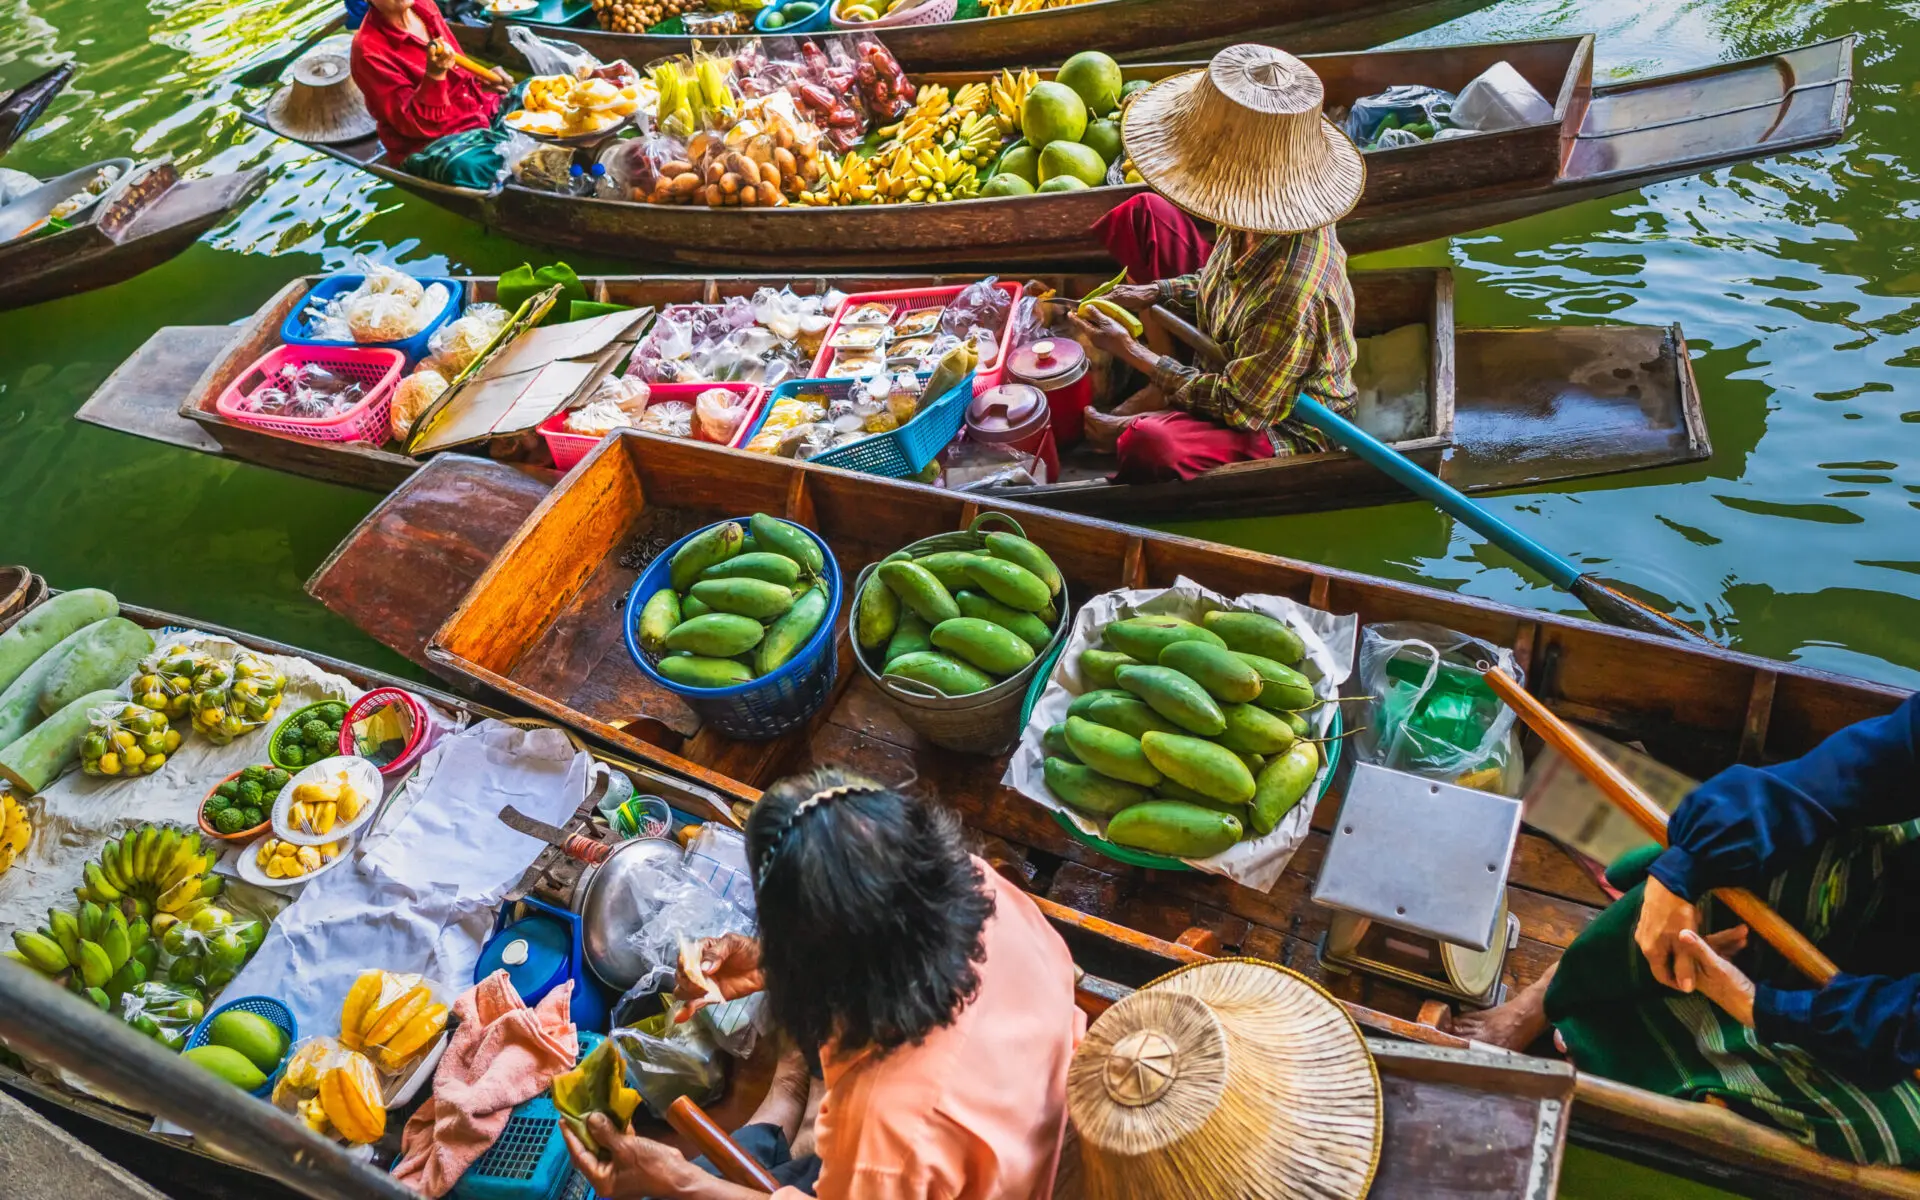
1601	599
1629	799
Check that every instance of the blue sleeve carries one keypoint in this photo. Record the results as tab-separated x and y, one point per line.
1747	823
1866	1027
357	12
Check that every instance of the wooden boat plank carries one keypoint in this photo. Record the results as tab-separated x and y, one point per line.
142	396
1518	1111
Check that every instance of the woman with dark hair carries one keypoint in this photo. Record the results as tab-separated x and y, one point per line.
933	994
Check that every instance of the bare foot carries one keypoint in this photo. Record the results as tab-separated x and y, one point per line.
1514	1025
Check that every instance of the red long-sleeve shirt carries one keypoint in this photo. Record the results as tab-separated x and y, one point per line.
409	109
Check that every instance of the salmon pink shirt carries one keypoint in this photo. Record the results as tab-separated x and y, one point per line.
409	109
977	1109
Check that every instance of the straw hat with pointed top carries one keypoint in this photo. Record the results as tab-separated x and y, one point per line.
1234	1077
1244	145
322	103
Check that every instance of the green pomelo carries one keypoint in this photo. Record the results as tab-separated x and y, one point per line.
1053	112
1005	184
1071	158
1095	77
1022	162
1063	183
1103	138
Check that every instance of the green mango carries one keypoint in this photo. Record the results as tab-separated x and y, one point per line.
1282	784
1227	677
992	648
1173	828
784	537
1114	754
696	672
1088	790
1253	730
1256	633
716	543
788	634
1298	723
658	616
1175	697
1173	789
909	637
948	566
716	635
1021	552
1143	638
919	591
1054	742
754	598
1032	630
1099	666
945	674
1083	703
876	613
761	564
1282	688
1129	714
1009	583
1204	766
691	607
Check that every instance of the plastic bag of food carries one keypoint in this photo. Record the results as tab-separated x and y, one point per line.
126	740
1499	98
980	312
164	1012
655	169
829	92
163	681
456	344
234	696
1433	713
382	280
333	1090
883	84
667	1059
392	1017
209	948
378	316
597	1085
414	396
549	56
1420	110
542	166
719	412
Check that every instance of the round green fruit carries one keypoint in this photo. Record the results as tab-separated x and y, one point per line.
1053	112
1022	161
774	21
1095	77
1064	183
1005	184
1103	138
1071	158
259	1039
228	1064
1134	85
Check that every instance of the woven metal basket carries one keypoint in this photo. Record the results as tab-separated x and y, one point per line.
982	723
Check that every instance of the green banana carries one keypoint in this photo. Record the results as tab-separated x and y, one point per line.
95	967
65	930
91	915
115	942
42	953
102	890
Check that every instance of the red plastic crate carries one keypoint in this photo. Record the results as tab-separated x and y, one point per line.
986	375
376	369
569	448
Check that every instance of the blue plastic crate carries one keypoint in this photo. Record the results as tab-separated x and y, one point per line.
760	708
896	454
293	331
259	1006
530	1159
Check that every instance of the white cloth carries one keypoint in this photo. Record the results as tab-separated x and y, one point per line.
1256	862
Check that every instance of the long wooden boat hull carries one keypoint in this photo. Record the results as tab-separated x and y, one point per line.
20	107
1508	407
1601	140
1127	29
156	217
539	625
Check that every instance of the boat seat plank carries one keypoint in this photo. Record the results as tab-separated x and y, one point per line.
142	396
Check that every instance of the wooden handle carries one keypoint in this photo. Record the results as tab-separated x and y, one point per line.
1207	352
736	1165
1627	796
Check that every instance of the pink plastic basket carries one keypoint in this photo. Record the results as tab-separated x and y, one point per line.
987	375
932	12
569	448
375	369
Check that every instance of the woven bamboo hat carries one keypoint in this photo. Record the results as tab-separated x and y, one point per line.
322	103
1234	1077
1243	144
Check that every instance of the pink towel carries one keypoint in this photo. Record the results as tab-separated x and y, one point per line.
502	1054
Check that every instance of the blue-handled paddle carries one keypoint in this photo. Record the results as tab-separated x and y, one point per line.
1604	601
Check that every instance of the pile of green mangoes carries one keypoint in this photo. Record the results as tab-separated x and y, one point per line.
1193	735
959	621
739	604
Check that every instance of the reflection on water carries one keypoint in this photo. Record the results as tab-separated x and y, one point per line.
1794	280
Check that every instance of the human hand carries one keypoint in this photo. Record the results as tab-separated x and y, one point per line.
1104	333
1103	429
730	962
634	1166
1718	979
1134	297
1663	918
497	81
440	55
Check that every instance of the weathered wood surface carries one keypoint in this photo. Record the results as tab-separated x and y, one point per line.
1124	28
142	396
1599	141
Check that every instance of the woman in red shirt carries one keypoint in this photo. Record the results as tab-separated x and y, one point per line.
403	65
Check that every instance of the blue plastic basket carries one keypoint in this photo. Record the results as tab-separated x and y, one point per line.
761	708
259	1006
896	454
293	331
821	18
530	1159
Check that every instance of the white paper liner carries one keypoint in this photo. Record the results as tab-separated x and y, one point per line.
1256	862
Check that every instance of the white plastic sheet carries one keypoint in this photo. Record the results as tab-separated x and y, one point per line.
1256	862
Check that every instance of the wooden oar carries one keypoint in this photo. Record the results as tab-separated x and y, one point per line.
1602	599
262	74
1629	799
734	1164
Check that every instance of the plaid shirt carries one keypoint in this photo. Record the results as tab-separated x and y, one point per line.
1284	317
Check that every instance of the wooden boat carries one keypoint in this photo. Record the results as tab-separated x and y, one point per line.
20	107
539	625
1437	1094
147	218
1123	28
1506	407
1600	140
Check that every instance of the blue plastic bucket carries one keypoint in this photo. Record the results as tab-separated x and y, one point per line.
260	1006
294	330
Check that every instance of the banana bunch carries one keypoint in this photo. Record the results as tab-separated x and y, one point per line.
157	873
847	180
16	828
343	1094
392	1017
942	176
284	860
98	952
923	120
975	140
1009	92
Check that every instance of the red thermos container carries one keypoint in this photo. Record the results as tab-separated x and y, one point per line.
1016	415
1058	367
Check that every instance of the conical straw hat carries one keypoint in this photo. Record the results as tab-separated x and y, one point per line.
322	104
1234	1077
1243	144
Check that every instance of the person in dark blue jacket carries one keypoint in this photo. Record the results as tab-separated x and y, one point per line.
1656	994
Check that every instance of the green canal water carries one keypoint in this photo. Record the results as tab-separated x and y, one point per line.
1797	282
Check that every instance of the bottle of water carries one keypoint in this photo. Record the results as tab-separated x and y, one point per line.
603	185
577	184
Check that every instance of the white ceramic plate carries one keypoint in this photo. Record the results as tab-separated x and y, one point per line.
248	865
363	775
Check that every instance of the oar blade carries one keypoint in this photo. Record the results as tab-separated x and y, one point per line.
1615	607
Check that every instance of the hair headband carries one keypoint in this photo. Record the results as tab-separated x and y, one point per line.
801	809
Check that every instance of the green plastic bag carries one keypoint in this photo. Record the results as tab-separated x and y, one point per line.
469	160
